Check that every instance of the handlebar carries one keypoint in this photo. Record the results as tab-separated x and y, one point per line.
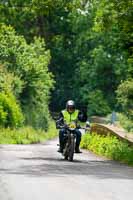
60	125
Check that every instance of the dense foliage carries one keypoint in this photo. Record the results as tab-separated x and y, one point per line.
108	146
26	135
24	73
10	113
125	122
125	97
91	54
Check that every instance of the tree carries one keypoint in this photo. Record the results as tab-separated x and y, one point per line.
32	80
90	44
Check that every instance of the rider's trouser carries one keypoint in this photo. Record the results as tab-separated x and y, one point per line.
62	133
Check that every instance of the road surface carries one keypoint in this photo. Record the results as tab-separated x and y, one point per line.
38	172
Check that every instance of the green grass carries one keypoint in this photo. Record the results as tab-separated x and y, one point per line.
108	146
26	135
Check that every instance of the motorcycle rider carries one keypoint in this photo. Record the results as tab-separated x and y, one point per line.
65	117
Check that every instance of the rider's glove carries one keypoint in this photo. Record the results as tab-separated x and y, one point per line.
87	124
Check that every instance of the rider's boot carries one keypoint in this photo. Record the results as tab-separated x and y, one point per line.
77	150
60	150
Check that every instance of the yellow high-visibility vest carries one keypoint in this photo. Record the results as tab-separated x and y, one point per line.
70	117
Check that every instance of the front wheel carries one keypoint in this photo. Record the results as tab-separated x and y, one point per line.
65	151
72	147
66	157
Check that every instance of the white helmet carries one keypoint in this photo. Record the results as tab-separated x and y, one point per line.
70	104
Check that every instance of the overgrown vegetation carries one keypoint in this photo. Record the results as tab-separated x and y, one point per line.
108	146
125	97
85	44
24	80
90	43
10	112
26	135
125	122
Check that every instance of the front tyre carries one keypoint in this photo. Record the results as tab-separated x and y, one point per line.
65	151
72	148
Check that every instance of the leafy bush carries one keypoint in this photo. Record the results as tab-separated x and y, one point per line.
26	135
125	122
10	112
109	146
26	68
10	82
125	97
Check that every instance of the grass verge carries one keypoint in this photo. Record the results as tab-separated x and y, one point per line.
26	135
108	146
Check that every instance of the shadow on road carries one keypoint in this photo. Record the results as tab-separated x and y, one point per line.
48	166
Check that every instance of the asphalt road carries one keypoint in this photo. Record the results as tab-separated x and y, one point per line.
38	172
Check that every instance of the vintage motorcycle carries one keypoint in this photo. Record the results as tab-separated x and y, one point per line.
69	143
69	139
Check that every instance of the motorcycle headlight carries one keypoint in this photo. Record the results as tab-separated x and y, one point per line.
72	126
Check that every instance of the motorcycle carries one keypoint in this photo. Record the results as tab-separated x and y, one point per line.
69	143
69	138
